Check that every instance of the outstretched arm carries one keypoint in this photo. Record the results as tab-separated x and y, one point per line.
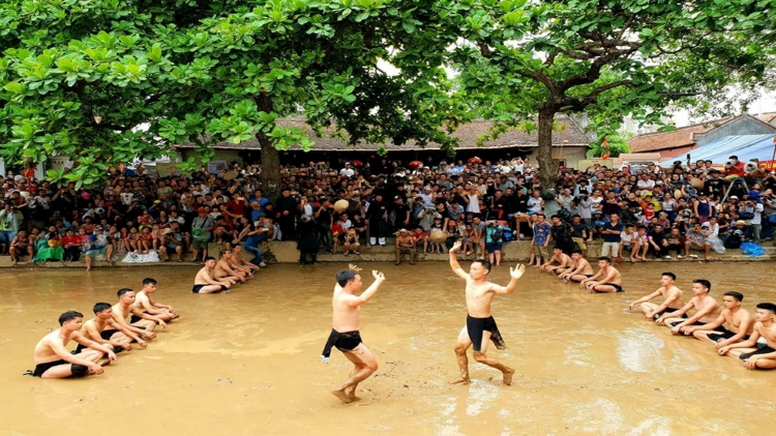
454	262
515	273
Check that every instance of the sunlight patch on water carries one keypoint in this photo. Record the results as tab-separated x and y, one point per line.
655	426
602	416
639	350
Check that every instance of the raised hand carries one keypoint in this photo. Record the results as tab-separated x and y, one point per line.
354	267
378	275
456	246
515	272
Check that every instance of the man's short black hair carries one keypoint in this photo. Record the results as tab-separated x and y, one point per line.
705	283
69	316
485	264
767	306
209	258
99	307
605	258
346	276
737	295
576	252
123	291
669	274
149	281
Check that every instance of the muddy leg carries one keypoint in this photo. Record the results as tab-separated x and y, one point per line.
463	344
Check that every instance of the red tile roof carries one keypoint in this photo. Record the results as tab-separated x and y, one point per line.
681	137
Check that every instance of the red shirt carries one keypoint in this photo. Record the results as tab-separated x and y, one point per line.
71	240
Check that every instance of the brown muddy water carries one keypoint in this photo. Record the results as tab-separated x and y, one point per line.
247	363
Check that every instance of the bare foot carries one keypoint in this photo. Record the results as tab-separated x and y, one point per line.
461	381
508	376
340	393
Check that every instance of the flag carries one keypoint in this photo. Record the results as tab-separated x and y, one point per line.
605	148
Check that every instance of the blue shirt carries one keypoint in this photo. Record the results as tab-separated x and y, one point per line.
541	233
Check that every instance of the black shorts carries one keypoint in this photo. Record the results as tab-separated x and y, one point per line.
668	310
105	334
196	288
41	368
726	334
136	318
762	349
475	327
617	288
697	323
347	341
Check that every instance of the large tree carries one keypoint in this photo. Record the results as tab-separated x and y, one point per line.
106	81
523	62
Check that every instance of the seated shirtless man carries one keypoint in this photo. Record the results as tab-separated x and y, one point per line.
609	279
144	301
753	352
580	268
224	270
706	310
205	281
104	330
672	299
240	263
123	310
739	321
562	259
53	360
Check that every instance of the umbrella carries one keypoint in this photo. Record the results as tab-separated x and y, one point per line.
415	164
475	160
357	163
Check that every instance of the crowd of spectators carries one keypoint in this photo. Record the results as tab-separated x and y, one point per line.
649	211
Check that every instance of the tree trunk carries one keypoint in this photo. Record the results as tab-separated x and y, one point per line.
270	168
270	156
548	168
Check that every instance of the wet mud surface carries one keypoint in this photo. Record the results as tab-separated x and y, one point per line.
247	363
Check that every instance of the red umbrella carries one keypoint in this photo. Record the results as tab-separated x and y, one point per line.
357	163
475	160
415	164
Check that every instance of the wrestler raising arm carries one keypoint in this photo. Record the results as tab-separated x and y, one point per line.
480	326
345	335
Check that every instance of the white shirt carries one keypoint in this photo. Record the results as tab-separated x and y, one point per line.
347	172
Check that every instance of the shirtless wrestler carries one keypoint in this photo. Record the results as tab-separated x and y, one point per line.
345	335
606	280
205	281
53	360
671	295
480	326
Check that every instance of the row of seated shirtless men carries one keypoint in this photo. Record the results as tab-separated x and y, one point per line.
114	328
733	331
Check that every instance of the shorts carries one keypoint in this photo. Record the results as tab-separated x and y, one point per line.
726	334
41	368
494	247
105	334
136	318
610	249
344	342
475	327
668	310
542	251
96	252
580	242
617	288
200	243
22	250
762	349
697	323
196	288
